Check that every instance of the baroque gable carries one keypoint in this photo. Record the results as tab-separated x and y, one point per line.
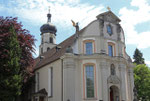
109	17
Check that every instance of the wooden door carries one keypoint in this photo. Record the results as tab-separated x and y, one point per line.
41	98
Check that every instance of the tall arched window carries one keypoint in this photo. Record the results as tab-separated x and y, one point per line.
112	69
50	82
89	81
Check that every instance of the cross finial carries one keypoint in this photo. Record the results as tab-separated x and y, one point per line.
49	15
49	9
109	9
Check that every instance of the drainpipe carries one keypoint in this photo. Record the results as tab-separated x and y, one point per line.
62	78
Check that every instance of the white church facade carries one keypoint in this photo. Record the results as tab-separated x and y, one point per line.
91	65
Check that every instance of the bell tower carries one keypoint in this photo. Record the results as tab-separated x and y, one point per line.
48	35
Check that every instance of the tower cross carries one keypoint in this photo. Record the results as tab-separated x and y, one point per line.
49	15
49	9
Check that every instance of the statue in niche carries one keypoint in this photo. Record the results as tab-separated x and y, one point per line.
101	26
113	72
118	31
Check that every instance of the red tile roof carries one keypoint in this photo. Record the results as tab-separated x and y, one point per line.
54	54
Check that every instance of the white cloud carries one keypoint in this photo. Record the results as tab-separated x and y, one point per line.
62	11
35	12
148	63
36	52
131	18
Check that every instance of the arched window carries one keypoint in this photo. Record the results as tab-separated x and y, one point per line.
50	91
111	49
89	81
109	29
89	47
50	40
112	69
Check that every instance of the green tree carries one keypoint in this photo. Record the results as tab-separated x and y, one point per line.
142	81
10	79
138	57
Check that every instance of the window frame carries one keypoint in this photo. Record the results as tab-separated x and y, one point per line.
113	48
111	29
110	51
37	81
50	82
51	40
93	46
84	81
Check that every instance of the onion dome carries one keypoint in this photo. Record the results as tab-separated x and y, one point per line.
48	27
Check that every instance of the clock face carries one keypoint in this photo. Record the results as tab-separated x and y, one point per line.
109	30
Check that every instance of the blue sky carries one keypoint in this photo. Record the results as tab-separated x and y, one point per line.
135	16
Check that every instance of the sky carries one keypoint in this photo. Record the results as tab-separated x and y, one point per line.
134	15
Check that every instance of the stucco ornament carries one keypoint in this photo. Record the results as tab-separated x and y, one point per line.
129	59
113	79
109	18
118	29
113	72
101	21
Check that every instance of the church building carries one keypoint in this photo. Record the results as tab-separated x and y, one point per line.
91	65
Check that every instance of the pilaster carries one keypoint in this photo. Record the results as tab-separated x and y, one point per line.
104	75
122	69
131	83
69	77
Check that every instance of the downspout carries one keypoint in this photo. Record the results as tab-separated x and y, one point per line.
62	78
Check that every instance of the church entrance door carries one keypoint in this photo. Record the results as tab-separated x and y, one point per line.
41	98
114	93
